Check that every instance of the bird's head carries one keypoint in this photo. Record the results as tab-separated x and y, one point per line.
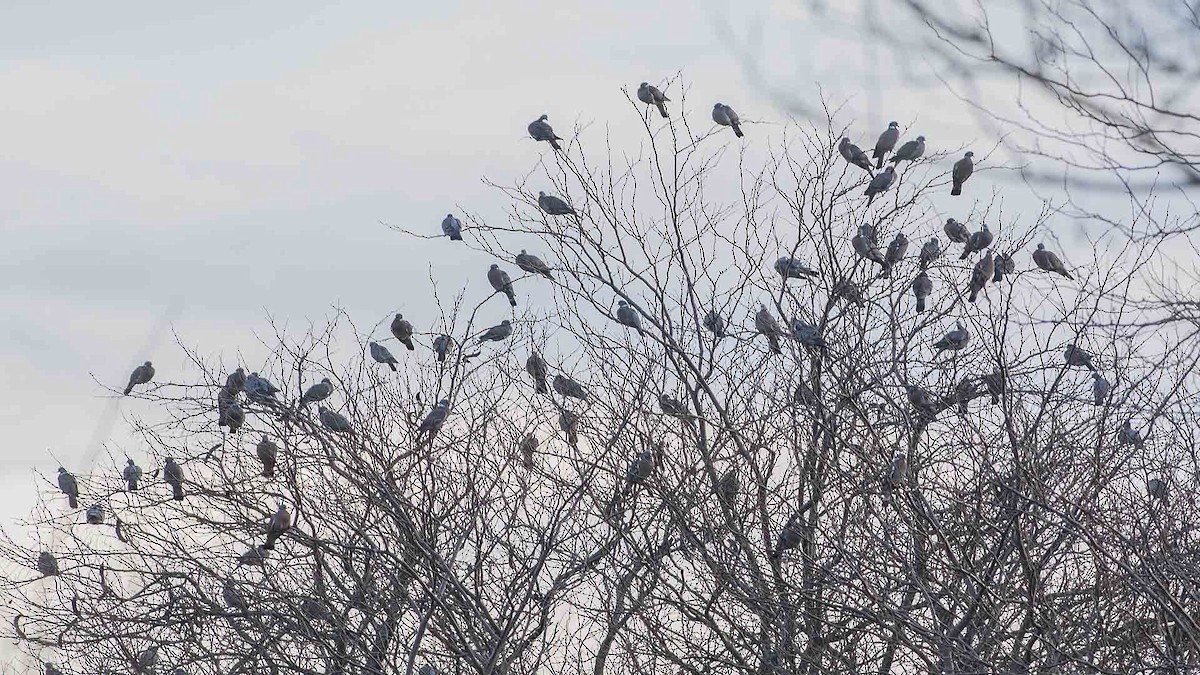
891	168
1041	247
644	85
449	215
325	380
921	139
129	461
506	322
845	140
373	345
719	105
969	154
543	118
494	266
147	364
445	403
62	469
893	125
322	410
541	194
254	374
522	251
399	316
622	303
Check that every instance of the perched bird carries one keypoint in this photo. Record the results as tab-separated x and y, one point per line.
232	596
452	227
565	386
569	423
235	382
94	515
1077	357
865	248
962	171
316	393
807	334
140	375
1049	261
956	231
922	286
804	395
849	291
256	556
640	468
910	151
887	141
527	449
727	488
715	323
173	475
995	385
535	365
280	523
51	669
442	345
1157	489
234	416
427	670
47	564
765	323
69	487
1100	388
402	330
854	155
964	391
259	389
1004	265
554	206
954	340
628	316
315	610
267	451
381	354
334	421
984	269
792	534
650	95
978	241
540	130
791	268
726	117
436	418
533	264
500	281
132	474
921	400
931	251
880	183
672	406
148	659
496	333
894	254
1130	436
898	472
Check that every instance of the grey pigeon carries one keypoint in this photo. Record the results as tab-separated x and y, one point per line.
865	248
640	468
140	375
995	385
954	340
277	526
849	291
956	231
256	556
726	117
978	241
94	515
628	316
565	386
132	473
533	264
315	610
334	421
535	365
921	400
807	334
235	382
436	418
931	251
910	151
1100	388
232	596
51	669
427	670
267	452
381	354
234	416
442	345
984	269
452	227
148	659
765	323
791	268
650	95
317	393
500	281
173	475
804	394
854	155
554	206
715	323
1157	489
69	487
869	233
496	333
47	564
727	488
1130	436
528	449
962	171
402	330
1077	357
259	389
1049	261
922	286
898	472
569	423
887	141
672	406
964	391
791	536
880	183
894	254
1004	265
540	130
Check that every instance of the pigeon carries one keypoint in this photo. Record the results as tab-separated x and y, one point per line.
765	323
496	333
527	449
540	130
887	141
500	281
132	474
715	323
869	234
1049	261
47	564
921	399
808	334
964	391
565	386
259	389
898	472
672	406
279	523
140	375
442	345
628	316
954	340
791	536
1078	358
382	354
1004	265
791	268
535	365
51	669
847	290
804	395
569	423
1100	388
1157	489
94	515
232	596
235	382
895	253
978	241
910	151
427	670
533	264
962	171
436	418
402	330
452	227
234	416
956	231
854	155
880	183
727	488
726	117
69	487
256	556
650	95
865	248
173	475
995	385
554	206
984	269
922	286
640	468
315	609
931	251
267	451
1130	436
317	393
334	421
148	659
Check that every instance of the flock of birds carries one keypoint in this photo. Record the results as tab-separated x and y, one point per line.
989	269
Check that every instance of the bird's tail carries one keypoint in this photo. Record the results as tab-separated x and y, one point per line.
737	130
441	356
886	272
268	471
409	343
177	491
966	253
1066	274
956	190
133	486
269	544
548	275
774	340
995	399
128	388
72	501
920	304
512	298
878	160
998	276
974	294
392	365
870	198
554	144
662	109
